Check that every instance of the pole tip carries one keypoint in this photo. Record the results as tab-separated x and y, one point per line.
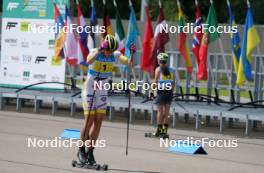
160	5
196	2
211	1
228	2
248	3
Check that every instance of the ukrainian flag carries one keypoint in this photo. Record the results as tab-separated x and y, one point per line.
235	40
250	42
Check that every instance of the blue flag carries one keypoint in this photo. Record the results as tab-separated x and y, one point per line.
133	32
235	41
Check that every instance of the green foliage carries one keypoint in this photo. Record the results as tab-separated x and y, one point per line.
170	9
188	6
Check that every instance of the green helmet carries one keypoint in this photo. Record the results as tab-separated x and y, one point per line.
112	42
163	56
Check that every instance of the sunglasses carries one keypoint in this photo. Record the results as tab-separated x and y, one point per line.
163	62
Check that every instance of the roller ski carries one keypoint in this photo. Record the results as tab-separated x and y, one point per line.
87	161
154	135
160	133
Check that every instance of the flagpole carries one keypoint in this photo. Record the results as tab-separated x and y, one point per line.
196	82
145	76
211	1
114	2
142	11
104	2
228	2
248	3
160	5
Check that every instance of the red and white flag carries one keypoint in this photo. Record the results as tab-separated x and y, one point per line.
71	42
161	37
198	34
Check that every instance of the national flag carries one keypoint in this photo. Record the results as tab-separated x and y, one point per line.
93	23
182	41
70	42
235	40
250	42
82	48
161	36
208	37
146	60
106	22
120	33
60	36
198	34
133	32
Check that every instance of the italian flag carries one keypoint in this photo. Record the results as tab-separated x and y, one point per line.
120	33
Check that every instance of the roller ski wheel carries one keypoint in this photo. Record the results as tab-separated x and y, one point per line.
149	135
74	163
92	166
165	136
105	167
77	164
153	135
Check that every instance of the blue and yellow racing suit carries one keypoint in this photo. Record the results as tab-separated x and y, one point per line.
94	98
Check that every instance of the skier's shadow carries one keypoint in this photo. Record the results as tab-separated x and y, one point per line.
124	170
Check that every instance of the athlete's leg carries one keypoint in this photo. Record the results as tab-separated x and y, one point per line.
101	102
86	129
97	125
88	97
160	113
166	120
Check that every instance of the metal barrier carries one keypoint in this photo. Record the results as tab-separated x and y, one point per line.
221	77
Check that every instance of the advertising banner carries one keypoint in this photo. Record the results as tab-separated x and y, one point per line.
27	46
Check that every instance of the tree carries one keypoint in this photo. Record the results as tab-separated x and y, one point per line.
170	9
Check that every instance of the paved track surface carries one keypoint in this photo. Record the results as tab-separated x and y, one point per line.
145	155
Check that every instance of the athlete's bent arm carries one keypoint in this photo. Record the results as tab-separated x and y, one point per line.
92	56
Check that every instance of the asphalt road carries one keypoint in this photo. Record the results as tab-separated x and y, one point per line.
145	155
